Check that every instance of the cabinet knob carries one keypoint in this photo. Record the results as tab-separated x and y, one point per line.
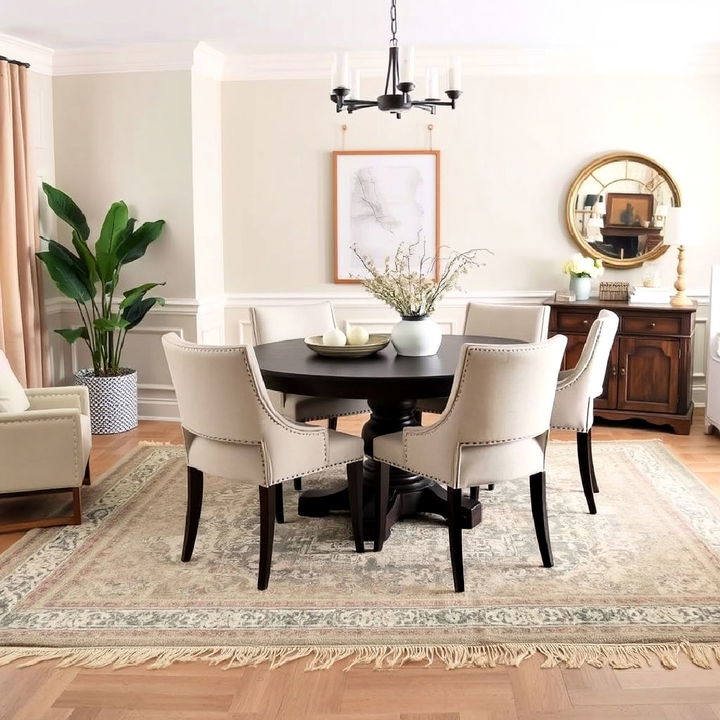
613	370
622	371
651	325
586	322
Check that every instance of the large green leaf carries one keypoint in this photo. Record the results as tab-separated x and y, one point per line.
108	324
134	246
78	265
73	334
113	227
135	313
65	276
131	296
85	254
66	209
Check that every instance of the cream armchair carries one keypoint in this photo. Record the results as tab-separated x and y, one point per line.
273	323
232	429
576	390
45	443
495	427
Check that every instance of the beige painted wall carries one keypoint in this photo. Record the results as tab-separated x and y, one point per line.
128	136
509	152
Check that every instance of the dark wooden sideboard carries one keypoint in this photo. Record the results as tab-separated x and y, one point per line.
649	375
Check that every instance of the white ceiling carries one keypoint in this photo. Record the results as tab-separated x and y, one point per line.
305	25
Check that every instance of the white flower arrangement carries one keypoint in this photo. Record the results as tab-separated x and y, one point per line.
580	266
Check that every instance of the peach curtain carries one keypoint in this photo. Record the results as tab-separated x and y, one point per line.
20	328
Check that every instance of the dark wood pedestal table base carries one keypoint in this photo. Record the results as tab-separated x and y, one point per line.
391	384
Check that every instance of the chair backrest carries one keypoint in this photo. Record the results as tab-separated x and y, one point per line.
12	396
528	323
272	323
504	392
596	351
219	389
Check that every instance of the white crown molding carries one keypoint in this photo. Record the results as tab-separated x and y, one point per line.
485	62
39	56
124	59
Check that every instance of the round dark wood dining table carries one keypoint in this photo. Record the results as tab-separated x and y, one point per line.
391	384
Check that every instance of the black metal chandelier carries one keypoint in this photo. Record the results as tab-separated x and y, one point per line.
398	83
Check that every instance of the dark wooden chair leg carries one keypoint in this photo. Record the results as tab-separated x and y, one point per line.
192	515
491	486
332	423
355	485
279	507
381	507
86	476
583	453
592	462
539	513
297	483
455	534
267	534
475	493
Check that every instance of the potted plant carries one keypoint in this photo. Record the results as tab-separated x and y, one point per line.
91	279
581	271
408	284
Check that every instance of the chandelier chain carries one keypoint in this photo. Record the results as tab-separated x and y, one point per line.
393	23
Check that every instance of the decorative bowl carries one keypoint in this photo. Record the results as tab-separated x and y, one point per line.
375	343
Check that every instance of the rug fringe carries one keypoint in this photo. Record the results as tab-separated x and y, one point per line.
703	655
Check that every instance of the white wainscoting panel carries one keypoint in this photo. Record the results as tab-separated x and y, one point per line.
227	321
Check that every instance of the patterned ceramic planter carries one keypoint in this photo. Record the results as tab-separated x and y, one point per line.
113	400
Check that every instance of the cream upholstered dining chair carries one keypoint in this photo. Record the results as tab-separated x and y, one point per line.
495	427
273	323
576	390
45	443
232	430
527	323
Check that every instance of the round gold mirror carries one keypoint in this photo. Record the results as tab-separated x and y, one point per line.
616	209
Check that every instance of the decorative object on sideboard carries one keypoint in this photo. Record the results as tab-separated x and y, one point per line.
678	232
564	296
628	230
651	274
581	271
412	284
383	199
399	81
613	290
91	280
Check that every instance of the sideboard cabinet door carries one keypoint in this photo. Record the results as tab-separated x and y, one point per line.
648	370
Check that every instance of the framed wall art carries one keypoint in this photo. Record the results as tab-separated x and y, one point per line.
382	199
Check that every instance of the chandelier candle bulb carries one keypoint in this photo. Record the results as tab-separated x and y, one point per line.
407	64
432	84
342	79
455	74
355	93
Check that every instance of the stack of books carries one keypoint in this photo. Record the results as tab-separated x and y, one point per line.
641	295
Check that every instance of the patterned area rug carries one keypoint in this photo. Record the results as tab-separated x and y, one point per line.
639	580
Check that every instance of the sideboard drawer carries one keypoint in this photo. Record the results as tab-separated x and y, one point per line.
575	321
651	325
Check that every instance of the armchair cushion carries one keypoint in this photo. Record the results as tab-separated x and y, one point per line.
12	395
56	398
305	407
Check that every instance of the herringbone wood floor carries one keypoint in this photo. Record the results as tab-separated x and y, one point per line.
196	691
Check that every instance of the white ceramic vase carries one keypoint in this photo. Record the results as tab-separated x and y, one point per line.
416	336
581	286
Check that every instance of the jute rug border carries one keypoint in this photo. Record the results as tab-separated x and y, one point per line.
452	656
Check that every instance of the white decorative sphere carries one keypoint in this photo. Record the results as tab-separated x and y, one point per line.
357	335
335	338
